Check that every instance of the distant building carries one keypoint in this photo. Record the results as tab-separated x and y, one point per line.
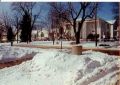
66	30
116	28
40	34
36	34
112	29
103	28
3	33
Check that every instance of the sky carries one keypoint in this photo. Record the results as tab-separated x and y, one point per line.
104	11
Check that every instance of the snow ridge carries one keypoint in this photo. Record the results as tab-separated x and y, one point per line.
52	67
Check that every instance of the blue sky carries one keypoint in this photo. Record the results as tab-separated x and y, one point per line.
104	13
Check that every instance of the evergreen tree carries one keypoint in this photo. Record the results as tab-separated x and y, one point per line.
26	10
26	28
10	35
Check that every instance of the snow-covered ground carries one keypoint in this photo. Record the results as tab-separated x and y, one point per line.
88	44
68	43
53	67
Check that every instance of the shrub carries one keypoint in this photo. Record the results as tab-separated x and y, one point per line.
90	36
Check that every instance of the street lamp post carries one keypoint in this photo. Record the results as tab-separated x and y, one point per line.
61	35
61	28
119	23
96	25
17	34
119	32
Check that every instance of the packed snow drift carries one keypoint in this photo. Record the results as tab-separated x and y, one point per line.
8	53
53	67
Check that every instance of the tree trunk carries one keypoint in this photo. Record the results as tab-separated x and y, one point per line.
74	26
53	41
17	38
77	36
29	35
11	43
78	32
17	35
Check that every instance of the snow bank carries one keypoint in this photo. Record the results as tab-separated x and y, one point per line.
52	67
8	53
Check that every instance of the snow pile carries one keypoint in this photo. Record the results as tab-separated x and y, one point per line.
52	67
8	53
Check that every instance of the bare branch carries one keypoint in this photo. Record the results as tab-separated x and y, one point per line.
79	11
70	9
91	14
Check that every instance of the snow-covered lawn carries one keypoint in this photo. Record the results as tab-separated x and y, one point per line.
88	44
53	67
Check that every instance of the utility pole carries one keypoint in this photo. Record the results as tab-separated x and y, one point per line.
119	26
119	23
61	29
53	38
96	24
17	28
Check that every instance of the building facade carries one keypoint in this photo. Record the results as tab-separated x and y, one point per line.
116	29
3	33
103	29
40	34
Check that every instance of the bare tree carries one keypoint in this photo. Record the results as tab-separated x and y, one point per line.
56	13
16	22
6	19
83	9
7	23
27	8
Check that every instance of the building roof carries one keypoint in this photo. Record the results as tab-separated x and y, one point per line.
88	19
111	21
79	19
108	21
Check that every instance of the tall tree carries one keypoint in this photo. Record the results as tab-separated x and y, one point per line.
6	19
7	25
10	35
16	23
83	10
26	10
56	15
25	23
